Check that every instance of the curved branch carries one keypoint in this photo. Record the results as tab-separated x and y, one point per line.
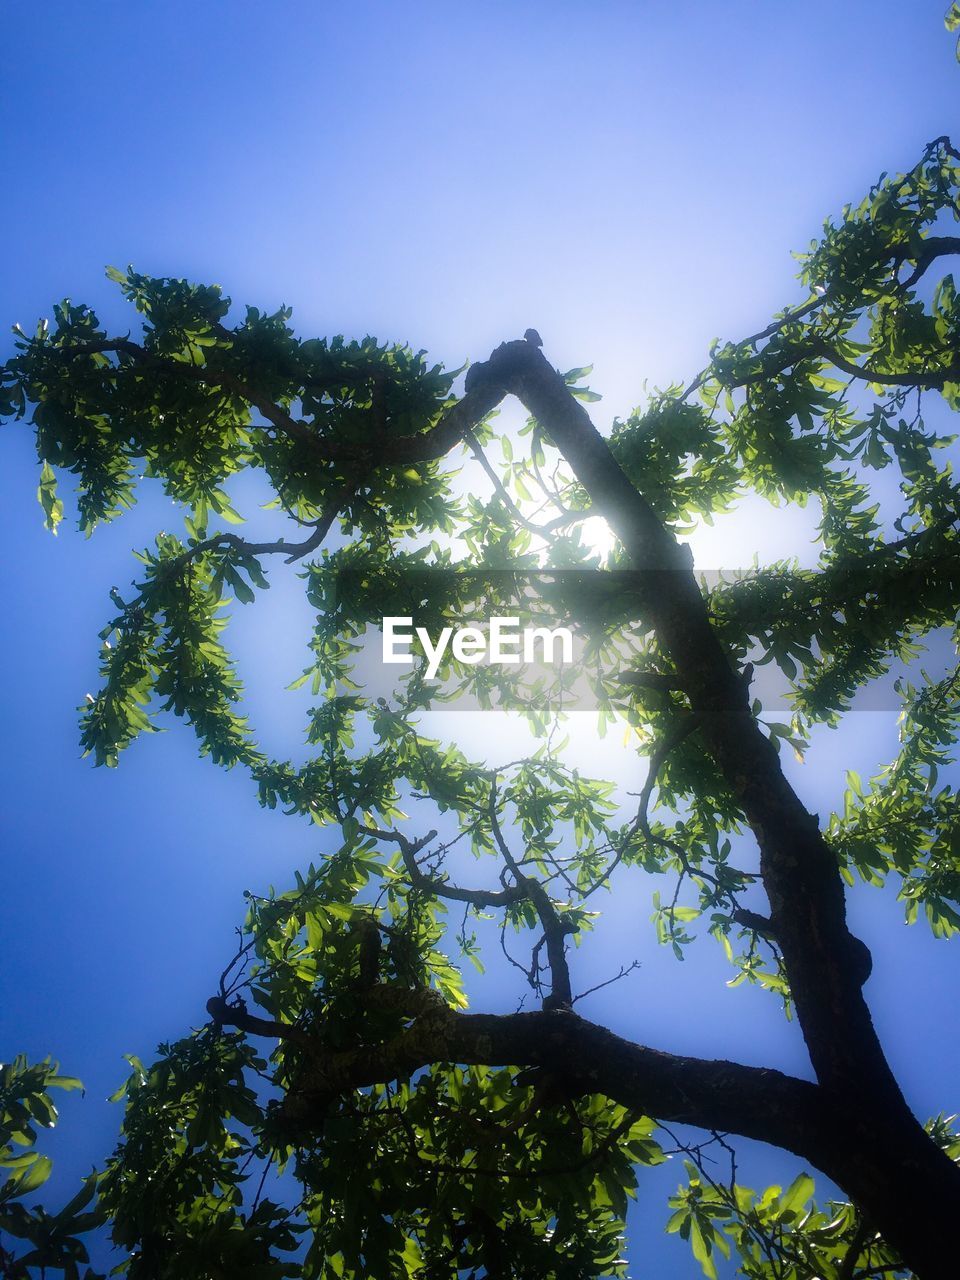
795	313
474	445
205	374
442	888
906	378
657	759
438	440
554	930
933	247
754	1102
799	869
293	550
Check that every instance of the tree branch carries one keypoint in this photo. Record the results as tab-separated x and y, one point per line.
205	374
906	378
385	449
294	550
795	313
442	888
754	1102
933	247
653	680
554	931
474	445
799	870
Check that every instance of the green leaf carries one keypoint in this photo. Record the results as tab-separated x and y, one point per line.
47	497
797	1194
35	1176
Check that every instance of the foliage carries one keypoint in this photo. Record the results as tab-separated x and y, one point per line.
53	1240
395	1137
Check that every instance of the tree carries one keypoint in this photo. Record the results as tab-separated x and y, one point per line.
416	1138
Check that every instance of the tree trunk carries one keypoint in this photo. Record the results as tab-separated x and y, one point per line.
884	1159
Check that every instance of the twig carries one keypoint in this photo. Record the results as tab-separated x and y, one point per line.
634	964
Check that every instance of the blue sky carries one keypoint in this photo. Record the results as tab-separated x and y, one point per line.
630	178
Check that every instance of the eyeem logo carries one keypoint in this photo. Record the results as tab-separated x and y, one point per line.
505	643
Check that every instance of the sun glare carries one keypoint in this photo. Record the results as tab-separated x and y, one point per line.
753	530
598	536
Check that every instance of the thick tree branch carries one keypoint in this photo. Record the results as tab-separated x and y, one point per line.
437	441
799	870
751	1101
652	680
858	1147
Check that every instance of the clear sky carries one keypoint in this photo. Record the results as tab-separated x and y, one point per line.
630	178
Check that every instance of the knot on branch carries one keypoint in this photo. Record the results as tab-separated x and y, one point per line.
508	361
858	954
